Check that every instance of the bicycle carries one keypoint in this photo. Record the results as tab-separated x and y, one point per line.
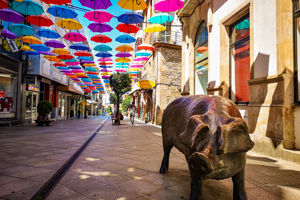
131	118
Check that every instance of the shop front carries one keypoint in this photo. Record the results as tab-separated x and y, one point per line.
10	70
32	97
69	101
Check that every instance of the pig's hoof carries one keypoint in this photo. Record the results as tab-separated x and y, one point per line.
163	170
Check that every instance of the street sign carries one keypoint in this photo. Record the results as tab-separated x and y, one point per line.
145	84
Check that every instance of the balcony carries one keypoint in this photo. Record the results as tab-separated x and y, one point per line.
169	37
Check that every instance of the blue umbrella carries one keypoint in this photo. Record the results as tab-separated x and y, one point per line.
21	29
31	53
47	33
27	7
79	46
102	47
71	60
85	58
63	68
143	53
75	67
122	63
130	18
103	54
62	11
106	81
105	66
133	72
125	39
40	47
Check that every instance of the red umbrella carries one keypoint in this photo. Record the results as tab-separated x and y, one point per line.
105	63
65	57
82	53
96	73
61	64
57	2
101	38
3	4
127	28
39	20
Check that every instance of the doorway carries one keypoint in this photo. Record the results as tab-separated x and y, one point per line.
32	99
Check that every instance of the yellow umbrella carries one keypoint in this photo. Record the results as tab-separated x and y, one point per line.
105	73
26	48
145	84
132	4
31	40
154	28
89	65
48	56
69	24
134	70
124	48
122	59
60	51
54	59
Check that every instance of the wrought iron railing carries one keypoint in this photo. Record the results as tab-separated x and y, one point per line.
170	37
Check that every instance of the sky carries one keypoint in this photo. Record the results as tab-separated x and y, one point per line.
115	10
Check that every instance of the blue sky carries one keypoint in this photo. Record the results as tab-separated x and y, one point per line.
115	10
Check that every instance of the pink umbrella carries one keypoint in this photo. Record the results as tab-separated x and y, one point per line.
75	37
98	16
141	59
136	66
72	63
120	70
168	5
77	71
105	59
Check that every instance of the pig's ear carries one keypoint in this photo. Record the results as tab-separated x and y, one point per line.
194	128
234	137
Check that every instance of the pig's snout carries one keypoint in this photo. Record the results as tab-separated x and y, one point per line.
200	163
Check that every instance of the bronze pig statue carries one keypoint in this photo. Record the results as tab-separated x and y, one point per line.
211	133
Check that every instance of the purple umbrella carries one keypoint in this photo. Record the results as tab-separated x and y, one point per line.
7	34
105	77
96	4
49	53
123	54
11	16
105	70
101	28
55	44
86	61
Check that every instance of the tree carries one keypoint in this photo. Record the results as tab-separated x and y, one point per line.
113	98
125	104
120	84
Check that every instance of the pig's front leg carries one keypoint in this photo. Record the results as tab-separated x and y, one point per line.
239	191
196	186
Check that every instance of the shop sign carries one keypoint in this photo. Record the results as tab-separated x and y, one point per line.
146	84
34	87
30	79
2	93
12	45
46	80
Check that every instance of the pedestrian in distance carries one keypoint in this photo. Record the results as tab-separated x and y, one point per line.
132	109
78	114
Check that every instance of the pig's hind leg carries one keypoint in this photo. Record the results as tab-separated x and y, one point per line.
165	161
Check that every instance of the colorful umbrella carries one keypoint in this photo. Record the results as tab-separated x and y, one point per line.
123	54
89	65
103	54
62	11
86	61
136	66
90	69
105	59
27	7
25	48
79	46
39	20
69	24
82	53
105	63
102	47
55	44
60	51
105	66
130	18
7	34
57	2
64	68
47	33
3	4
141	59
120	70
142	53
101	28
85	58
96	4
98	16
75	67
72	63
127	28
74	37
65	56
61	64
105	70
39	47
11	16
160	18
70	60
31	40
101	38
168	5
31	53
122	59
21	29
54	59
125	39
145	47
132	4
132	70
122	64
124	48
154	28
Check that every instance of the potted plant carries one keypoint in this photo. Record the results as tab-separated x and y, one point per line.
43	108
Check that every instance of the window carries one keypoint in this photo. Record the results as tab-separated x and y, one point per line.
297	49
201	59
240	60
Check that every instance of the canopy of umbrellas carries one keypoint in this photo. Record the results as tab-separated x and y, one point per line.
83	69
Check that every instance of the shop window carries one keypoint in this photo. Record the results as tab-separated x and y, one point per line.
7	93
201	59
297	49
240	60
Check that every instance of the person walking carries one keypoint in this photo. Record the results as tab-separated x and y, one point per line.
78	114
132	109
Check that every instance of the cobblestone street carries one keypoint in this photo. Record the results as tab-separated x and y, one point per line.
120	163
